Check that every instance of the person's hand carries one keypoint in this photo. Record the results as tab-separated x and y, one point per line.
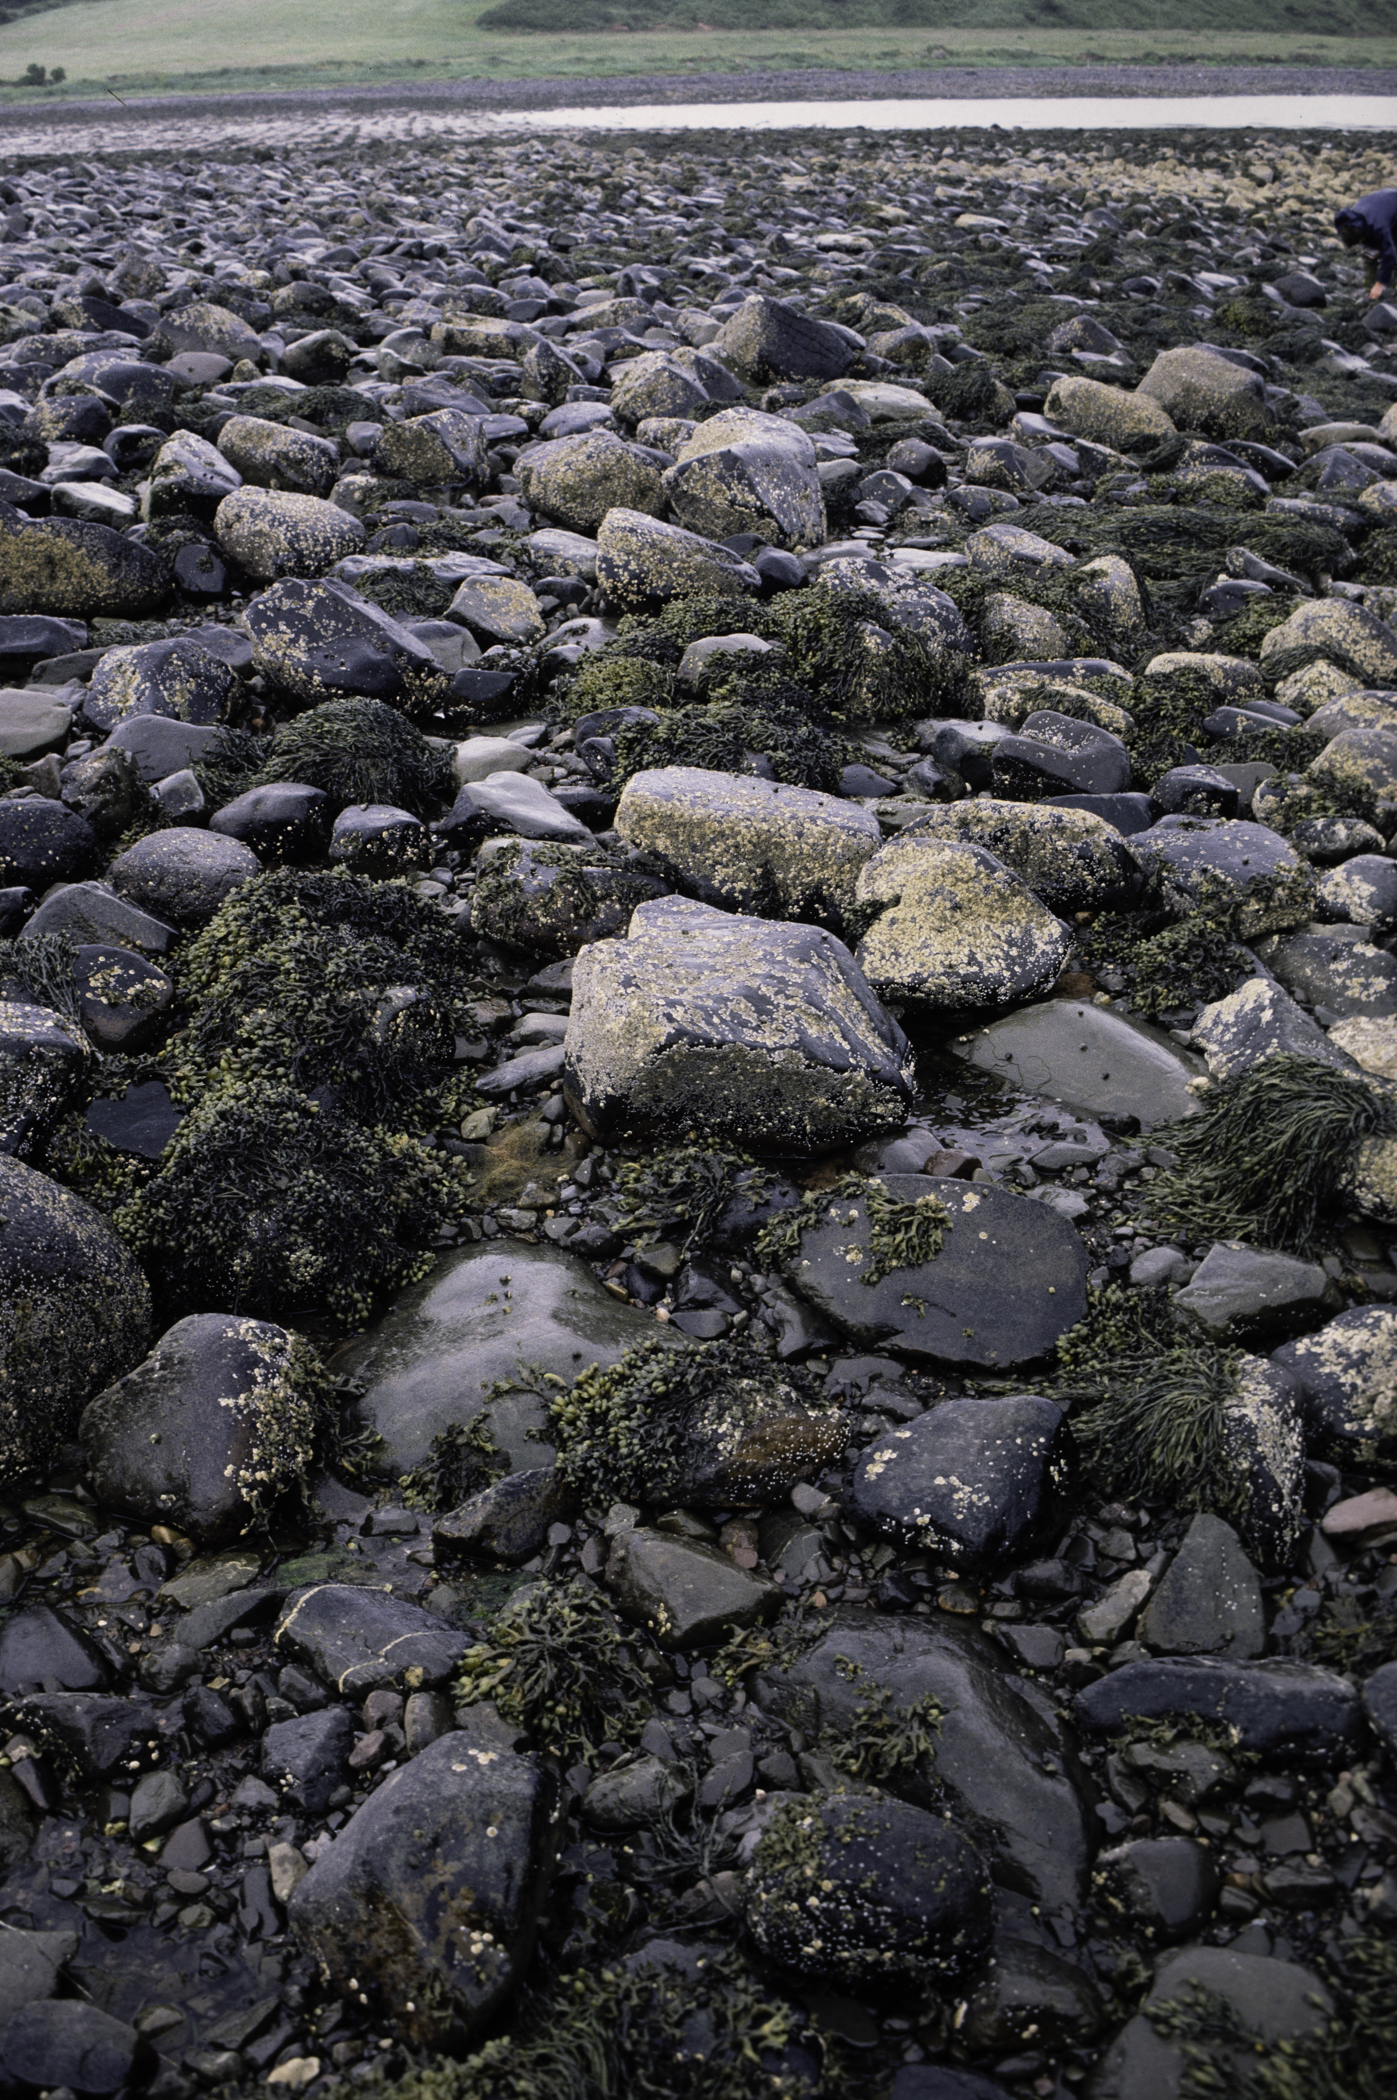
1379	291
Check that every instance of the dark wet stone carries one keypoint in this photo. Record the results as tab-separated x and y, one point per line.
975	1482
940	2082
636	1793
319	641
430	1897
92	1733
158	1802
122	998
67	2042
379	841
42	842
76	570
158	745
553	899
1380	1700
85	1314
1247	1293
357	1639
43	1058
1199	791
1164	1887
1101	1062
1010	1278
1051	754
1027	1986
90	912
1279	1999
766	339
1208	1601
997	1761
218	1420
1203	861
183	874
868	1895
29	1966
40	1651
510	1520
684	1593
143	1120
305	1757
283	823
1295	1709
1127	813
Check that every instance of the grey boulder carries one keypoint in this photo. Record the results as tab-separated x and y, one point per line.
183	874
975	1483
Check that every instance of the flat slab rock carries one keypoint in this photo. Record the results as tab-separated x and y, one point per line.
483	1315
1293	1709
1009	1280
1088	1058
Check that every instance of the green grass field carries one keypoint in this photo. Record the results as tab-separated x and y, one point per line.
201	46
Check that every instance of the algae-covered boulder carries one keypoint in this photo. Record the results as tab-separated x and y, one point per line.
1202	390
952	928
743	471
179	678
270	456
750	845
218	1421
1107	415
1071	859
74	1314
577	480
1332	630
203	326
271	534
551	898
766	1035
908	603
76	570
656	384
642	563
43	1059
1246	870
182	874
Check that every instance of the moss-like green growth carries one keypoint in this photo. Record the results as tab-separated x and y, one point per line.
841	647
722	737
311	978
1169	713
268	1202
459	1463
1352	2055
1153	1402
633	1431
1188	964
902	1235
360	751
642	2032
1266	1159
882	1747
41	970
558	1665
610	679
682	1192
1349	1635
969	391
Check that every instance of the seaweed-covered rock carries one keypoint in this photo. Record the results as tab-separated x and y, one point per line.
552	898
74	1314
1335	631
867	1895
1246	870
1006	1278
907	602
976	1482
751	846
1308	1713
271	535
431	1895
1280	2001
949	927
446	447
1201	390
767	339
219	1419
768	1034
973	1743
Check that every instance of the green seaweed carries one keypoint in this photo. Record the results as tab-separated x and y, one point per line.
459	1463
359	751
682	1191
558	1666
901	1235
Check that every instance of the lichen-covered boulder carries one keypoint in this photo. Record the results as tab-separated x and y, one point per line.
766	340
1071	859
641	562
177	677
217	1422
43	1057
271	534
320	640
76	570
271	456
765	1035
1202	390
953	929
1210	864
577	480
74	1314
549	897
749	845
1335	631
446	447
1107	415
744	471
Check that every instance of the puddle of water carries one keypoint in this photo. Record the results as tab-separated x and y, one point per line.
1046	113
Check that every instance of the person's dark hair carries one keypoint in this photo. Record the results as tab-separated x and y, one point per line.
1349	226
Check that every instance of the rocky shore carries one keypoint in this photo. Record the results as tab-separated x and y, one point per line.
698	1121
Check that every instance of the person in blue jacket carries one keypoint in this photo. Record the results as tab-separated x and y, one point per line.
1369	224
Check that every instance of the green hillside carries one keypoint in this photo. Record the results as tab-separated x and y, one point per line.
1314	17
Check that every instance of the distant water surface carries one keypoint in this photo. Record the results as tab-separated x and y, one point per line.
1051	113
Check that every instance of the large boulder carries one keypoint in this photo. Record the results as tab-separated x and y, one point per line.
643	563
43	1059
1071	859
768	340
447	447
178	678
1216	864
577	480
183	874
1007	1280
1336	631
271	456
429	1899
321	640
76	570
1107	415
219	1419
743	471
42	843
907	601
764	1035
1202	390
270	534
749	845
952	929
995	1760
189	475
203	326
74	1314
1347	1376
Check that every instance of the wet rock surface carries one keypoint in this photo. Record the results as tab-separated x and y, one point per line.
696	1054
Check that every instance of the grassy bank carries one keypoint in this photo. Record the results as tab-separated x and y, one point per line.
203	46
